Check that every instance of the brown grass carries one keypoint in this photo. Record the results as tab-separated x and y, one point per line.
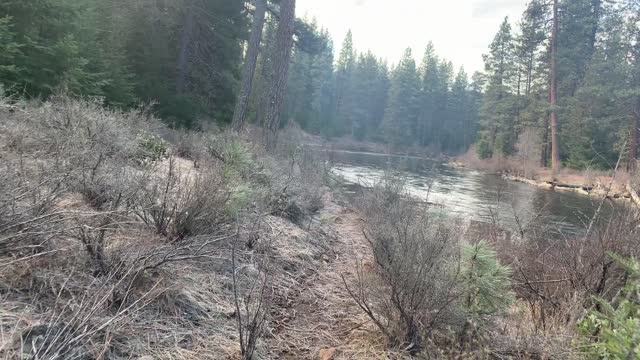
111	247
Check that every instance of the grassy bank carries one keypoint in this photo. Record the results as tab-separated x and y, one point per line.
120	238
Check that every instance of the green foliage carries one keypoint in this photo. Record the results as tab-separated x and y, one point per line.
126	53
238	160
486	283
597	77
612	329
483	148
240	198
185	58
403	109
153	147
9	51
499	108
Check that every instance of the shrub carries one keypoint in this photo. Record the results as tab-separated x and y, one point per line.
238	161
612	329
487	283
483	148
415	289
239	199
183	204
187	144
28	216
486	286
152	147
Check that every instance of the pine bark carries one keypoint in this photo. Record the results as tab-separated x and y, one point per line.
281	60
242	103
555	156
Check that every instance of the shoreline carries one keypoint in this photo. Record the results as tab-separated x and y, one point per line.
576	182
580	182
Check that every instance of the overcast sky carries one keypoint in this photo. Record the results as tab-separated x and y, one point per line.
461	30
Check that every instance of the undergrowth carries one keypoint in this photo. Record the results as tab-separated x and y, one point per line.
112	225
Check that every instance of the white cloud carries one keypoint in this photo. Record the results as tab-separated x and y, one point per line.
461	30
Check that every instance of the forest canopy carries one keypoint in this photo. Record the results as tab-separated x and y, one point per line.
187	58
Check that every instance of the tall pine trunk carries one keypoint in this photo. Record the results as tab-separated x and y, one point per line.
242	103
280	63
544	151
555	156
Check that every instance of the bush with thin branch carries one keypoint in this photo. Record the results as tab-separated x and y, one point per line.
415	288
252	302
182	204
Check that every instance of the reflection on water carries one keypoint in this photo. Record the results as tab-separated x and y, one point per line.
472	194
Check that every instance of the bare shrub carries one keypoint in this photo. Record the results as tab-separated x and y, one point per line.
189	145
298	183
180	204
556	276
496	164
252	300
414	290
29	218
78	327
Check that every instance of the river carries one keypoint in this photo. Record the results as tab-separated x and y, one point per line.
472	194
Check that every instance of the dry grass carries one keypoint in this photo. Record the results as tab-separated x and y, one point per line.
113	246
496	164
520	166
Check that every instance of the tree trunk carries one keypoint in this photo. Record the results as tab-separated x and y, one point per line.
183	57
281	60
555	157
242	103
544	153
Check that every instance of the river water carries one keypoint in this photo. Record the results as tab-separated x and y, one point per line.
472	194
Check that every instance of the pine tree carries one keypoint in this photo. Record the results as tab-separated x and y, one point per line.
498	134
486	283
50	57
344	87
323	97
430	89
442	124
460	128
598	111
401	115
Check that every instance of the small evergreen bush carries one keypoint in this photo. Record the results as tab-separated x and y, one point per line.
612	329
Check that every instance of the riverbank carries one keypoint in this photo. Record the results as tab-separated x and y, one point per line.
120	238
597	183
349	144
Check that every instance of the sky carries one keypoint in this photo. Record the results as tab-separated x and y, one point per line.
461	30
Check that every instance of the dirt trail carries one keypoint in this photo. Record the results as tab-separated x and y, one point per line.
322	321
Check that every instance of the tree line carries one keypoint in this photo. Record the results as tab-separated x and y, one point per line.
182	56
562	86
361	96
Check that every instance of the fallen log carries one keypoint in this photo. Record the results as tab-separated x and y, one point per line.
570	186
